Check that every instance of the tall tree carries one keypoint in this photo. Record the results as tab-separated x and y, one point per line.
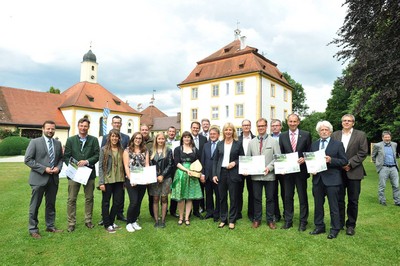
299	96
370	41
310	122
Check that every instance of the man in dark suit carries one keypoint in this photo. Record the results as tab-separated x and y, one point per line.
328	182
116	123
205	128
245	137
295	140
199	142
44	157
356	148
85	149
207	159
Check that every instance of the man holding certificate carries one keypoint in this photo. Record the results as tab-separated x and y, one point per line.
328	182
84	149
266	146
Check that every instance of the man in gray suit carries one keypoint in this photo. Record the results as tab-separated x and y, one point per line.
384	157
356	148
44	157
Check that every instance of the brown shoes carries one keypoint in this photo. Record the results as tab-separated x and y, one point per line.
36	235
272	225
256	224
89	225
54	230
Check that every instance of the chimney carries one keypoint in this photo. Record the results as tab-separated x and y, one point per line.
242	42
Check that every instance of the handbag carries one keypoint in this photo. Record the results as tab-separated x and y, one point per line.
196	168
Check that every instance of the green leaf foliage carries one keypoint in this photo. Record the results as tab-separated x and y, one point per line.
13	146
298	97
310	122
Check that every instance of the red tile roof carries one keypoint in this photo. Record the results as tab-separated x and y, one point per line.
231	60
93	95
30	108
149	114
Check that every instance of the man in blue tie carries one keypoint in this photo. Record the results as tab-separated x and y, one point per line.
211	188
384	158
44	157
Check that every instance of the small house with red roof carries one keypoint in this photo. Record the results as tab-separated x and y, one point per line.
27	110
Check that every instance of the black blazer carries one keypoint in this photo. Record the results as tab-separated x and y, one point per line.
164	166
207	160
333	175
303	145
202	141
236	151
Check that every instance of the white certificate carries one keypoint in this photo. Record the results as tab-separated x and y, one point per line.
252	165
143	175
76	173
315	161
286	163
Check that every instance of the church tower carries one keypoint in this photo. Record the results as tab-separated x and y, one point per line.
89	68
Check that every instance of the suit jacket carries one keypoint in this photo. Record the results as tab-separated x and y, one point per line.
207	160
90	151
37	158
124	140
333	175
378	155
356	152
236	151
303	145
269	148
202	141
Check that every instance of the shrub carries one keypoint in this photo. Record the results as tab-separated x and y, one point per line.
4	133
13	146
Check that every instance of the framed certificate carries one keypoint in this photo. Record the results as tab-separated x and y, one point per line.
315	161
252	165
286	163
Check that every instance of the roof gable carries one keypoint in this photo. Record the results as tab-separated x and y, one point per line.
230	60
149	114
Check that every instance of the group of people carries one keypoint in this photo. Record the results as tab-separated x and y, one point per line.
194	194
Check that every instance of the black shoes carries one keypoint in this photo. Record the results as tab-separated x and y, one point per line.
318	231
287	225
302	227
382	203
332	235
350	231
198	215
121	218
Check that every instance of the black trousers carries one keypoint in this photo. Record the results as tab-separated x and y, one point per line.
226	184
116	191
199	202
136	195
269	195
319	192
353	189
250	197
211	189
280	181
300	182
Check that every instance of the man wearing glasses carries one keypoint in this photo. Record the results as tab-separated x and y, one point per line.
356	147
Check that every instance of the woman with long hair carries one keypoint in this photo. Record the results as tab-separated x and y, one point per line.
162	159
226	173
111	179
185	187
136	156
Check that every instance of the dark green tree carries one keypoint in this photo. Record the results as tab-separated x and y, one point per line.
370	41
54	90
310	122
299	96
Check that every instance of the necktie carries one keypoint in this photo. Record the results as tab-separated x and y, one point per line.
212	148
261	143
323	144
293	140
196	142
51	153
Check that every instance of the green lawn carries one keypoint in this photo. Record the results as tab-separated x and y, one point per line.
376	241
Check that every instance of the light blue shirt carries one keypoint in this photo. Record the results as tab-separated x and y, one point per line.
325	144
389	156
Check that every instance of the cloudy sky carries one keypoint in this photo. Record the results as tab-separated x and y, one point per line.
143	46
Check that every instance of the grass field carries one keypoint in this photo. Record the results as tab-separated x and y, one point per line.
376	241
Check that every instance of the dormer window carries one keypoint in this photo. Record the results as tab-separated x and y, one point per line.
117	102
241	63
90	98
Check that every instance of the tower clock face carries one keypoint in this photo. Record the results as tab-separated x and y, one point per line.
92	77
